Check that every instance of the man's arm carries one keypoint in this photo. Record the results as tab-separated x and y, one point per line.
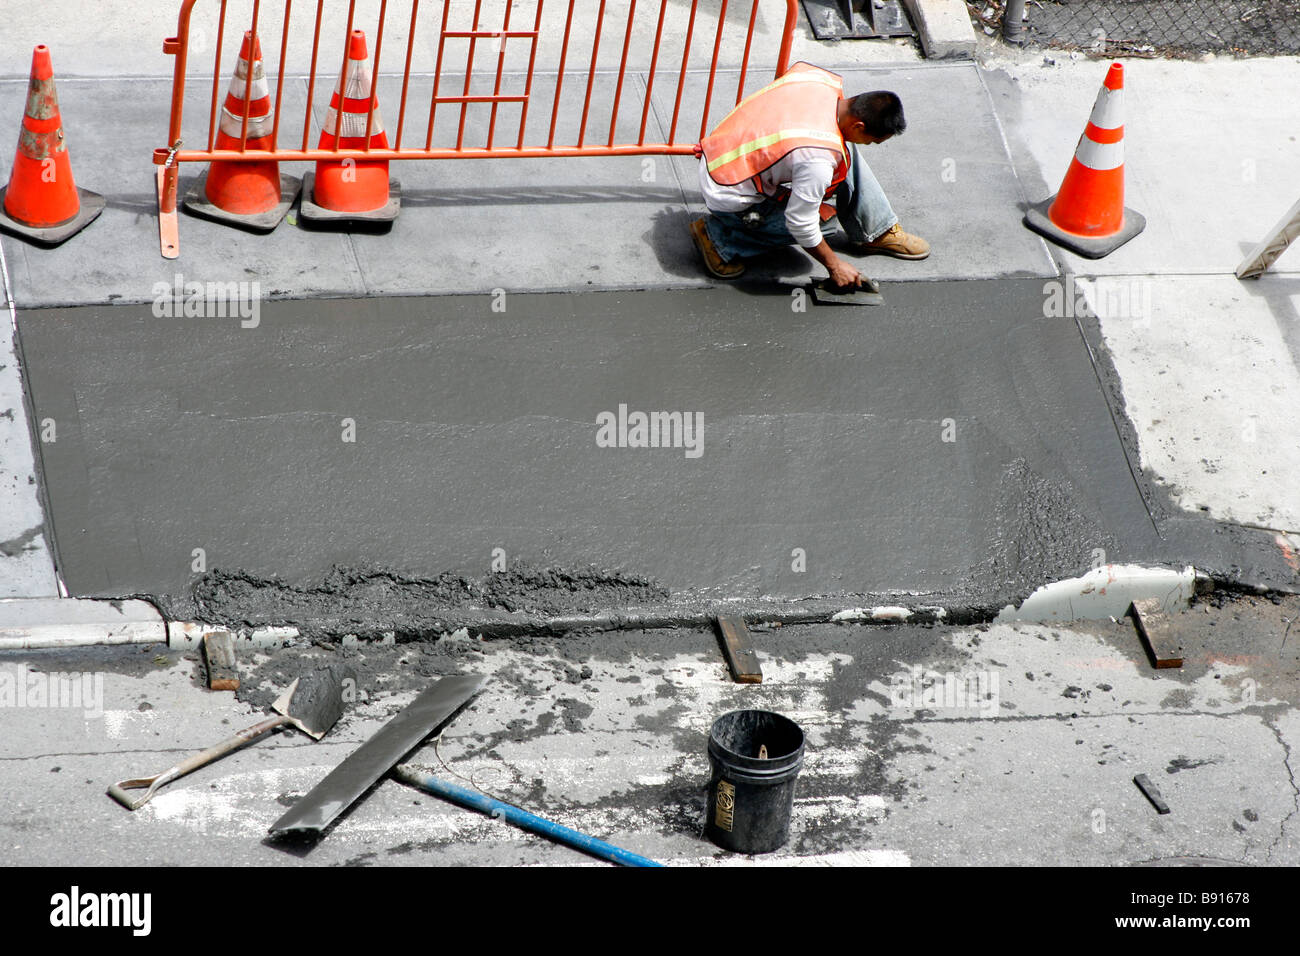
811	174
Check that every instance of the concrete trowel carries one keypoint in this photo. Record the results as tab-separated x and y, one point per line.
312	704
826	292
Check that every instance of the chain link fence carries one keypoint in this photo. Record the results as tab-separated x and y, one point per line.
1171	28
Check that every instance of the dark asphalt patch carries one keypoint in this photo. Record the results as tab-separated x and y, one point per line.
953	442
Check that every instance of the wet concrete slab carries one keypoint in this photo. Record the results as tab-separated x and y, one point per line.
953	441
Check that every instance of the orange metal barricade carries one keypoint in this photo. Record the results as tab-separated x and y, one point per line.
580	14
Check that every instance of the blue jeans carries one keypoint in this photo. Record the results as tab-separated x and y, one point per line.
863	211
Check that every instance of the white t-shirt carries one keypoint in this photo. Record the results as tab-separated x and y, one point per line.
806	171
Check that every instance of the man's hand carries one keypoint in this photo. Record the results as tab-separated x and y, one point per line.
842	274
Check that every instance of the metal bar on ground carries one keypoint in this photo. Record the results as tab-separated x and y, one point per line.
1151	793
521	818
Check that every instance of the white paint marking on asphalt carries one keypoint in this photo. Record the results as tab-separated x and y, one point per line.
117	722
1096	677
843	858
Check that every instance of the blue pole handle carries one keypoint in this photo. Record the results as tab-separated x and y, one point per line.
520	818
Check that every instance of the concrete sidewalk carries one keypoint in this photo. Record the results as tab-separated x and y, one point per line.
522	225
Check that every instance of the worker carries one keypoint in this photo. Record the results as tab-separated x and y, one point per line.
771	169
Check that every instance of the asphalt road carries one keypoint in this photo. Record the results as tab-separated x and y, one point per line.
1001	745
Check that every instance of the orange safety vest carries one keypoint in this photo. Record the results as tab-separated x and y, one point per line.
797	110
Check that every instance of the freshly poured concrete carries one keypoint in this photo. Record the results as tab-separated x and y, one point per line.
952	442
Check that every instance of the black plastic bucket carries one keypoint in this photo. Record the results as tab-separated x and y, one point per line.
751	796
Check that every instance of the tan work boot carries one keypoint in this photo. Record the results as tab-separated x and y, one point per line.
896	243
709	253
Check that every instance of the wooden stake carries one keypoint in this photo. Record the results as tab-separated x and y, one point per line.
1157	633
738	651
219	653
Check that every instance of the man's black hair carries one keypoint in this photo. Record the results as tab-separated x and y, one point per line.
881	113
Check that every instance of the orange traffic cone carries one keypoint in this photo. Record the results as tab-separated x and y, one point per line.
1088	215
352	191
252	195
42	202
